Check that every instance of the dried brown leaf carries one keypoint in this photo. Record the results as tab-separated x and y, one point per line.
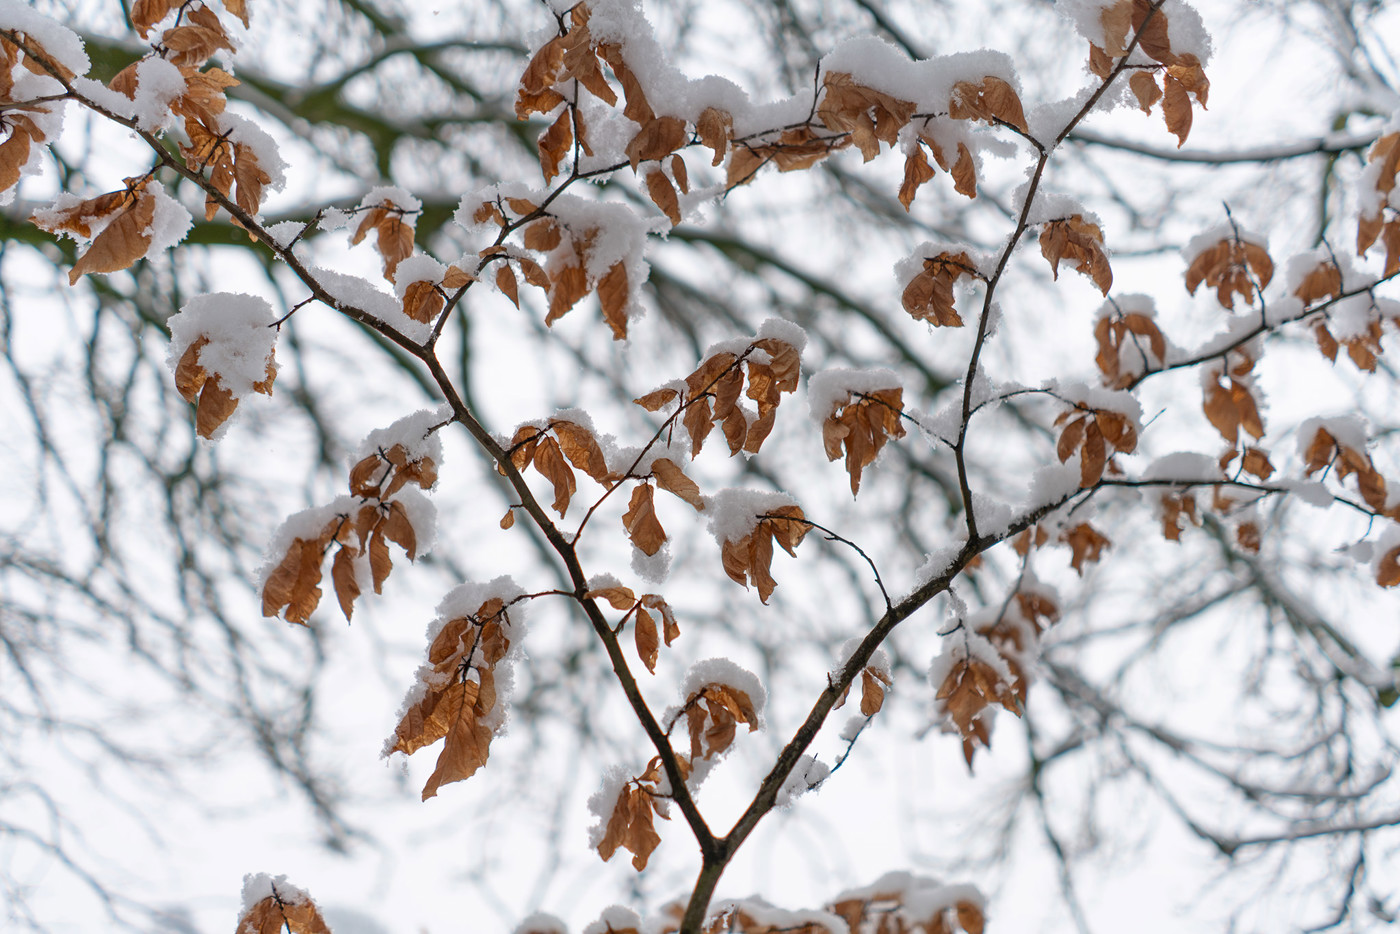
671	478
715	129
916	172
656	399
505	281
640	521
993	100
657	139
647	640
1081	242
929	295
549	461
343	577
554	144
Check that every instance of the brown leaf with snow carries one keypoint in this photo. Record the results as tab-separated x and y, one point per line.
970	686
929	295
554	144
663	195
656	140
671	478
1113	332
640	521
612	298
1232	267
993	100
749	559
916	172
868	115
549	461
14	151
1230	406
1075	239
276	913
394	236
861	425
197	38
631	826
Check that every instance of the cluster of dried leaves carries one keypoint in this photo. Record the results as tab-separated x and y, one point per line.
1233	266
565	250
280	912
293	587
711	396
1092	432
1112	331
1181	73
21	131
1077	240
846	114
972	683
929	295
1384	223
457	695
644	632
712	713
1086	543
119	223
862	423
1325	451
214	402
749	559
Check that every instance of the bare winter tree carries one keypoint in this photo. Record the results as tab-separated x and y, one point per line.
537	338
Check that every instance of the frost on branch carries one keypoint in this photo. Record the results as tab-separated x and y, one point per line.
461	690
272	905
221	349
858	410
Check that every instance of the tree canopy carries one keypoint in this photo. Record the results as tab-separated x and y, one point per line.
960	435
